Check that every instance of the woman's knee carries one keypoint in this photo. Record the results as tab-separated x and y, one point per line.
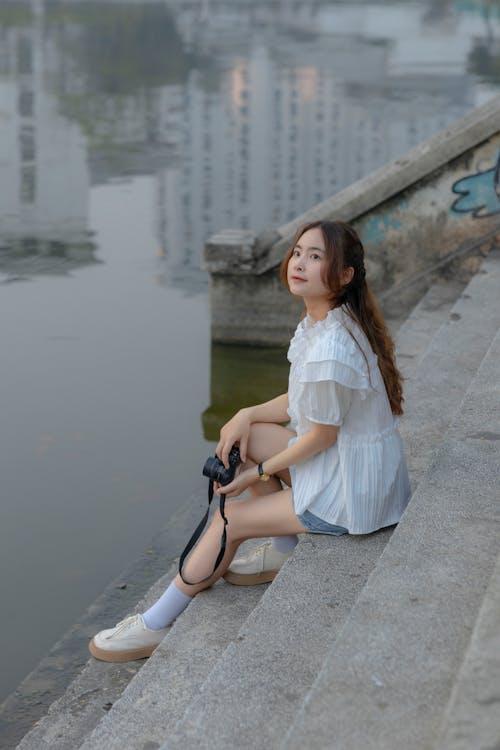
266	439
254	439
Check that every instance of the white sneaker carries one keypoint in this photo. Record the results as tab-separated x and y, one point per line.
129	639
261	565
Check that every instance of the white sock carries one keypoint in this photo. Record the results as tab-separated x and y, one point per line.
285	543
171	603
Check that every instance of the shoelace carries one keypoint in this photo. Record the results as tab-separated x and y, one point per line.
125	624
256	552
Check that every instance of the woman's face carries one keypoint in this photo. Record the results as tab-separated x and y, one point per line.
306	266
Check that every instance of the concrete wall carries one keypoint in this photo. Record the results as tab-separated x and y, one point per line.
431	206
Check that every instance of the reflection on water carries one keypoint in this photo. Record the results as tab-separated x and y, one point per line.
24	257
130	132
246	114
242	376
118	49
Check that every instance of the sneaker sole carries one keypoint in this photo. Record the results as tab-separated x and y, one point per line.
250	579
130	654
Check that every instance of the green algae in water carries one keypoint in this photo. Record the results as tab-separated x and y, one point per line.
242	376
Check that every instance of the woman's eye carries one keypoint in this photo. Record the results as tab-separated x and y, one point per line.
315	256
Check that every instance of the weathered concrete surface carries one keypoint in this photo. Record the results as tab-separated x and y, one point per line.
441	197
389	674
415	334
472	718
457	350
92	695
157	697
89	697
236	250
98	685
250	698
254	691
242	308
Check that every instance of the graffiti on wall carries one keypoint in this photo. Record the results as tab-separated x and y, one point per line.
479	192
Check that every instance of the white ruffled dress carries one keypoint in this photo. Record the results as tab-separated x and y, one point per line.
361	482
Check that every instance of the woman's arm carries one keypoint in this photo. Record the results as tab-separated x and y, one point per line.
270	411
237	430
319	438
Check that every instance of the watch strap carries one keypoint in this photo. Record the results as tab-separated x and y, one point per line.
263	476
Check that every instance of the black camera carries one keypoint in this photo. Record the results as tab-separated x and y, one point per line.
215	469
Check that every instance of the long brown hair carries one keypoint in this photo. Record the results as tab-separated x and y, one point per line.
343	250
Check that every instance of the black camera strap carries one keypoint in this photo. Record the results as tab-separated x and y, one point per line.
197	533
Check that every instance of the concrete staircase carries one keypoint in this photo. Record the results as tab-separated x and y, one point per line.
374	641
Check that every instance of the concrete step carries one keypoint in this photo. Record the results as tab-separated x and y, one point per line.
75	704
251	696
417	331
254	691
192	646
157	697
388	676
472	719
435	388
89	696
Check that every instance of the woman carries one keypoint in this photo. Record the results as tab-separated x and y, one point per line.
341	457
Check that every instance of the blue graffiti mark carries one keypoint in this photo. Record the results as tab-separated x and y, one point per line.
479	193
376	227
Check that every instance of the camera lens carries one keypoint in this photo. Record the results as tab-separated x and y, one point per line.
210	468
214	468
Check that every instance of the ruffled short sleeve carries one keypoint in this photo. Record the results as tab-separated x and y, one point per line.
326	402
333	369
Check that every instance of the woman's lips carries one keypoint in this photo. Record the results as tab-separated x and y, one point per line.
297	278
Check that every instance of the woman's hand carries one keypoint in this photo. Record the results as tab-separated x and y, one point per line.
239	484
237	430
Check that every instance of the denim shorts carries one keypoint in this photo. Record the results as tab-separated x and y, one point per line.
316	525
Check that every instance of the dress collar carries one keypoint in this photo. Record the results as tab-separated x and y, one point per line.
307	329
337	314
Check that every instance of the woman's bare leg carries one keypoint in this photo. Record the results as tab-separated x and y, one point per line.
269	512
271	515
266	440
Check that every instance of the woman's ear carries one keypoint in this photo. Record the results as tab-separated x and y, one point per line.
347	275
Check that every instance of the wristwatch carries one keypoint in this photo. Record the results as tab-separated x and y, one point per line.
262	474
